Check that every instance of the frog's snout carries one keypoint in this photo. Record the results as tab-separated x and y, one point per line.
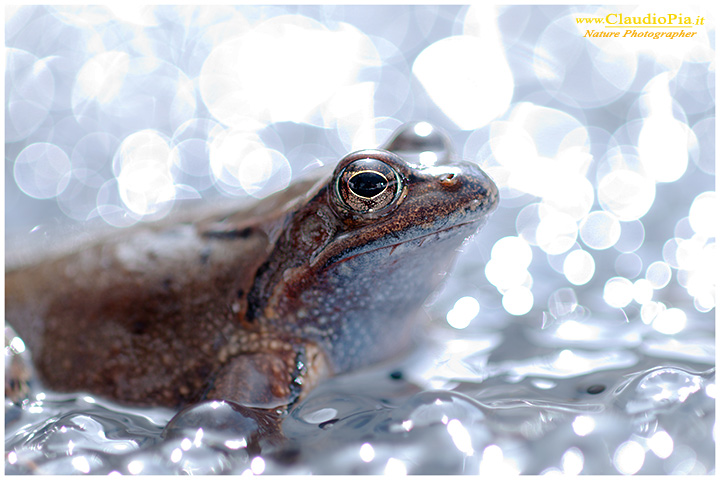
470	181
466	179
449	177
488	191
448	180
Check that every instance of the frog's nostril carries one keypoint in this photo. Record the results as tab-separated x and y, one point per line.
447	179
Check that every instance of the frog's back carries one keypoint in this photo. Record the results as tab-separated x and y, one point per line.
143	317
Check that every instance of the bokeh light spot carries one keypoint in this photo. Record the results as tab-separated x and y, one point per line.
242	165
650	311
142	166
661	443
257	465
642	291
102	77
513	250
465	309
29	93
705	133
504	275
589	73
705	214
669	252
395	467
579	267
572	461
663	141
135	467
282	69
454	73
618	292
81	464
460	436
628	265
632	236
126	93
518	300
556	232
663	148
583	425
629	457
658	274
626	194
42	170
263	172
571	194
367	452
600	230
670	321
527	222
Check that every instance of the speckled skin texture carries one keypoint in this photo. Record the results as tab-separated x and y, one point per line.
251	307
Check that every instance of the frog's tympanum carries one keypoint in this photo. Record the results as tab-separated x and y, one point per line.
254	307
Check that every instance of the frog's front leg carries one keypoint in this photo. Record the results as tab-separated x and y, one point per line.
270	379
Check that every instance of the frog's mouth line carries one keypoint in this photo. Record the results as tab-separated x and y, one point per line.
422	238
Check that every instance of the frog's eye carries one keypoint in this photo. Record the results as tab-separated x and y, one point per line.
367	185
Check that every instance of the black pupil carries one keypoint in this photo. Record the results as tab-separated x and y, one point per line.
367	184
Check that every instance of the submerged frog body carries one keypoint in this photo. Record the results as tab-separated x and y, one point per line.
254	307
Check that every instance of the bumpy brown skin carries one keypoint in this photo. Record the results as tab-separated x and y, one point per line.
146	318
250	308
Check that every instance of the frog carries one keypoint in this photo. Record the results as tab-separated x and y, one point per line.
259	305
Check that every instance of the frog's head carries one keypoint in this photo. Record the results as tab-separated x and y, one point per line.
383	202
355	263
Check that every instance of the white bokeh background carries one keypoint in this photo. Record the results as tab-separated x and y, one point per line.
603	149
